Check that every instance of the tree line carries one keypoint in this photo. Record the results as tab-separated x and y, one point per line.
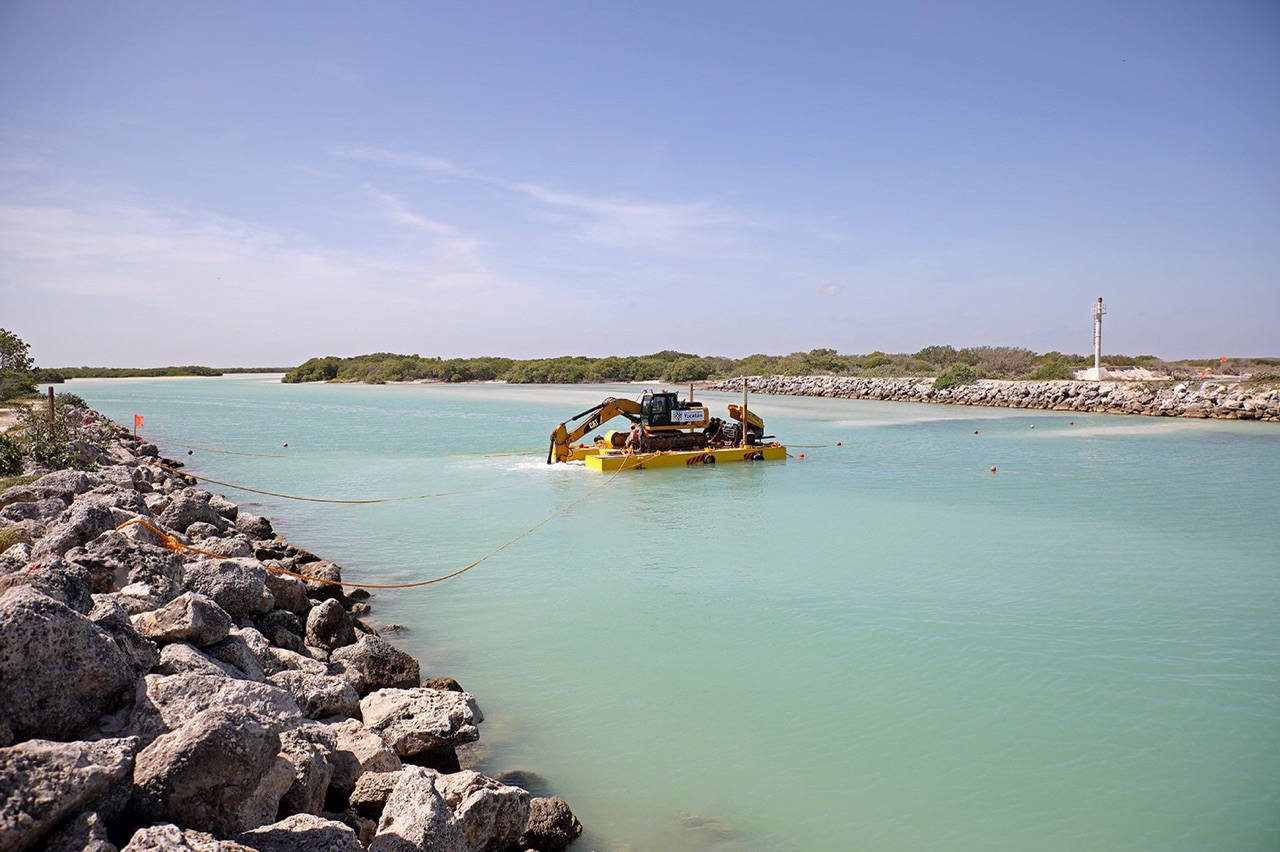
992	362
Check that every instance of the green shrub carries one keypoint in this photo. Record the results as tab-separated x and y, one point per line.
956	374
10	456
68	398
1052	370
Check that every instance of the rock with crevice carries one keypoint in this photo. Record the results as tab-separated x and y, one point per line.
412	721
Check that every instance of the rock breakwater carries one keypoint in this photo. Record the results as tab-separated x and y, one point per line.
164	686
1156	399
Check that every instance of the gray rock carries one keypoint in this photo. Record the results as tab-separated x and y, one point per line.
290	593
66	483
228	547
327	578
187	508
165	702
282	628
133	559
302	833
329	626
380	664
235	651
182	658
224	507
412	721
358	750
170	838
552	826
84	832
309	748
372	791
219	772
58	670
112	618
190	617
257	528
416	817
82	523
493	815
238	585
200	530
319	696
44	782
63	581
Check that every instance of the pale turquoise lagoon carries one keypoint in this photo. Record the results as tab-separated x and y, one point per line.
881	646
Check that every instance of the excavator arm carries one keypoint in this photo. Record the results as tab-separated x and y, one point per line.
564	435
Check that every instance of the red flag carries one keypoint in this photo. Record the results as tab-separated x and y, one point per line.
138	421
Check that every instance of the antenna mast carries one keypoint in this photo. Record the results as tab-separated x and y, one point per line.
1098	310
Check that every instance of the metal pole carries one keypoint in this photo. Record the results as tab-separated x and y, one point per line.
743	436
50	403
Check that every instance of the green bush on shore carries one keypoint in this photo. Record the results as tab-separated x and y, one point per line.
956	374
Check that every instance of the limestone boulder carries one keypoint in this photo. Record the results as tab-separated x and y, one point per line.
319	696
372	791
184	658
552	826
290	593
329	626
493	815
418	720
63	581
358	750
224	507
302	833
218	772
379	664
135	558
80	524
416	817
171	838
187	508
235	651
309	748
283	629
165	702
190	617
43	782
84	832
112	618
58	670
254	526
238	585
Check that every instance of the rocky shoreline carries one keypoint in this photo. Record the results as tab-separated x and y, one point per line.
164	686
1223	401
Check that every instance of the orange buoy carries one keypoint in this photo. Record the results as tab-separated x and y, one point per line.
1072	423
837	443
188	452
975	431
1033	425
993	468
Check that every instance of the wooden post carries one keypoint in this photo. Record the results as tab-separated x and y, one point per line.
50	403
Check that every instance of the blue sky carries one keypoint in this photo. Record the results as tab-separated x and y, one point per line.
248	183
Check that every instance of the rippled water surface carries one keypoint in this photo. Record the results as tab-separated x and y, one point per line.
883	645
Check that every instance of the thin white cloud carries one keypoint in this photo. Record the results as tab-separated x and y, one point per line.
831	289
688	227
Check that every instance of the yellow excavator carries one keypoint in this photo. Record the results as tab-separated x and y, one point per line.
661	422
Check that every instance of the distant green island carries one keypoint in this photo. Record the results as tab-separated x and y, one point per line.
993	362
58	375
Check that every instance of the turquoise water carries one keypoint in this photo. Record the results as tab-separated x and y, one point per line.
881	646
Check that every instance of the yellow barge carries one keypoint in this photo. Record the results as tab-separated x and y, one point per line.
665	432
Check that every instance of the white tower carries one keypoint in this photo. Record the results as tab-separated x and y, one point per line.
1098	310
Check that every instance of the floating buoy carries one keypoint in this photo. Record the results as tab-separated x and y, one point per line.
1072	423
975	431
993	468
188	452
802	455
285	444
837	443
1033	425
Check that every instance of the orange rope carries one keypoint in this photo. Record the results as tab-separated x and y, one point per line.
173	544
